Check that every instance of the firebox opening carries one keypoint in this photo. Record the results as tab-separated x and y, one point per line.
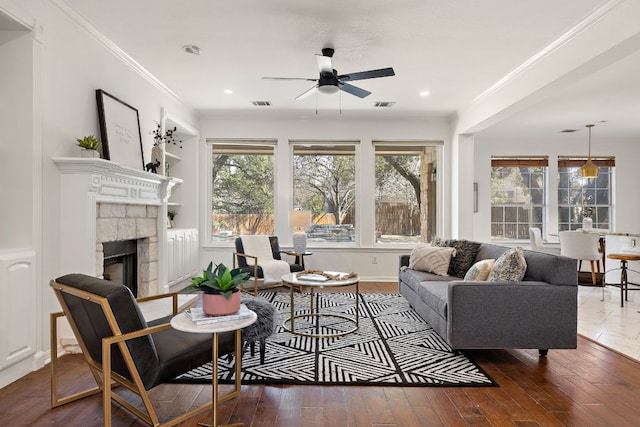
121	263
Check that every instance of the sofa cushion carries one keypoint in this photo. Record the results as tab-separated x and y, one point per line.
434	295
510	266
433	259
466	252
413	278
480	270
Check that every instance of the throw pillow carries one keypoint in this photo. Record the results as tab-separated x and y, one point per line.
432	259
510	266
480	270
466	252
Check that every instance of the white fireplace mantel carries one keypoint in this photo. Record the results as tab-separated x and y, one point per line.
114	183
84	183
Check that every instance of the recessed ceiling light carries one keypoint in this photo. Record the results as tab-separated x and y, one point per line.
228	91
191	49
425	93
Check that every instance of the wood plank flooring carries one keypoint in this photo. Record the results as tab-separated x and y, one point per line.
589	386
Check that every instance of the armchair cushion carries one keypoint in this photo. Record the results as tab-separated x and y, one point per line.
275	249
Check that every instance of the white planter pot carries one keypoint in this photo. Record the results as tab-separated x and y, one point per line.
89	154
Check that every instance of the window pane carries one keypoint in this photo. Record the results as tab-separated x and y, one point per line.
242	192
578	197
324	183
517	201
405	194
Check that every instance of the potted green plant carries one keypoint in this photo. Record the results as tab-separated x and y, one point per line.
220	287
171	215
89	145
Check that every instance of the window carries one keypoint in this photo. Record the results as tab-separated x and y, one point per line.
579	197
242	198
517	196
324	183
405	192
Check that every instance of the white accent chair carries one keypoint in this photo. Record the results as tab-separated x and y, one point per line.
537	244
581	246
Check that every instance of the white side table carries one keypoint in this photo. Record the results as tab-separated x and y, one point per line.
182	323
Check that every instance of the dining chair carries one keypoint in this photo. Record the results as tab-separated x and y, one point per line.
581	246
536	242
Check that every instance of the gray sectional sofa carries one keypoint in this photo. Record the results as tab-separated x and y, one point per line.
539	312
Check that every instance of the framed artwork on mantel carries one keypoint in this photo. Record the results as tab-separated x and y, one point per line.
120	131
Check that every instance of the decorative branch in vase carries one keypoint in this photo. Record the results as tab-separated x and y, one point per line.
157	151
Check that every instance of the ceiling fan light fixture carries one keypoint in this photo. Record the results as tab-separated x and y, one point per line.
589	169
328	89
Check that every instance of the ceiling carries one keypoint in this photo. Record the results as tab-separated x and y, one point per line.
455	50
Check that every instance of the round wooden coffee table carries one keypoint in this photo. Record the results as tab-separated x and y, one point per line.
294	281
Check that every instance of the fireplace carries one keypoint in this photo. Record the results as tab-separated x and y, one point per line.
121	263
102	202
127	235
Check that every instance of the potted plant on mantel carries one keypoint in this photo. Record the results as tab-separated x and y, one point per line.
89	146
220	287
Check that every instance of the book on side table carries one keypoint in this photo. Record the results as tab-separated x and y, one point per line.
199	317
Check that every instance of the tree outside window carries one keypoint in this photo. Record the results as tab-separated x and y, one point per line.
517	197
242	197
405	208
324	183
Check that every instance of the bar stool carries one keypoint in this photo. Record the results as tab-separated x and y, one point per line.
624	284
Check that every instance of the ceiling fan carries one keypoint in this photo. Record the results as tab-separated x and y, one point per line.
331	82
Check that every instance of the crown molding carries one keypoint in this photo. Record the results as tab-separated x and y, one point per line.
594	17
108	44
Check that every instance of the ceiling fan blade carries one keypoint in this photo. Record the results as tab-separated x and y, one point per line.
307	92
360	93
324	63
289	78
372	74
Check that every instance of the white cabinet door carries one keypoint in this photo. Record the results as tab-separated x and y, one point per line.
18	307
182	255
191	254
172	268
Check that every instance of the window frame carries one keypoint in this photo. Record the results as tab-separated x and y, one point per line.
408	147
516	162
327	149
574	162
271	144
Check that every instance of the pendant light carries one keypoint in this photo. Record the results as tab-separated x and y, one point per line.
589	170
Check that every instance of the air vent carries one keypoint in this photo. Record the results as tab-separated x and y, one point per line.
384	104
569	130
261	103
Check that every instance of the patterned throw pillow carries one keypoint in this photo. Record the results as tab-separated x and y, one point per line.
432	259
480	270
466	252
510	266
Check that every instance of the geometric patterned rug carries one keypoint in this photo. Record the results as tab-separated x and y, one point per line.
393	346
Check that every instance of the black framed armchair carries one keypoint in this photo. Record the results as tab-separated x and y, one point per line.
251	263
121	348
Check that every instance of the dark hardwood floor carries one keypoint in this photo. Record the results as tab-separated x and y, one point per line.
589	386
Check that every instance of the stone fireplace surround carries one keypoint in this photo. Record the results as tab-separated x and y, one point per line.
104	201
116	222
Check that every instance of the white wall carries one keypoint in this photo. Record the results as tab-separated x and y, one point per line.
69	64
329	126
626	174
16	136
